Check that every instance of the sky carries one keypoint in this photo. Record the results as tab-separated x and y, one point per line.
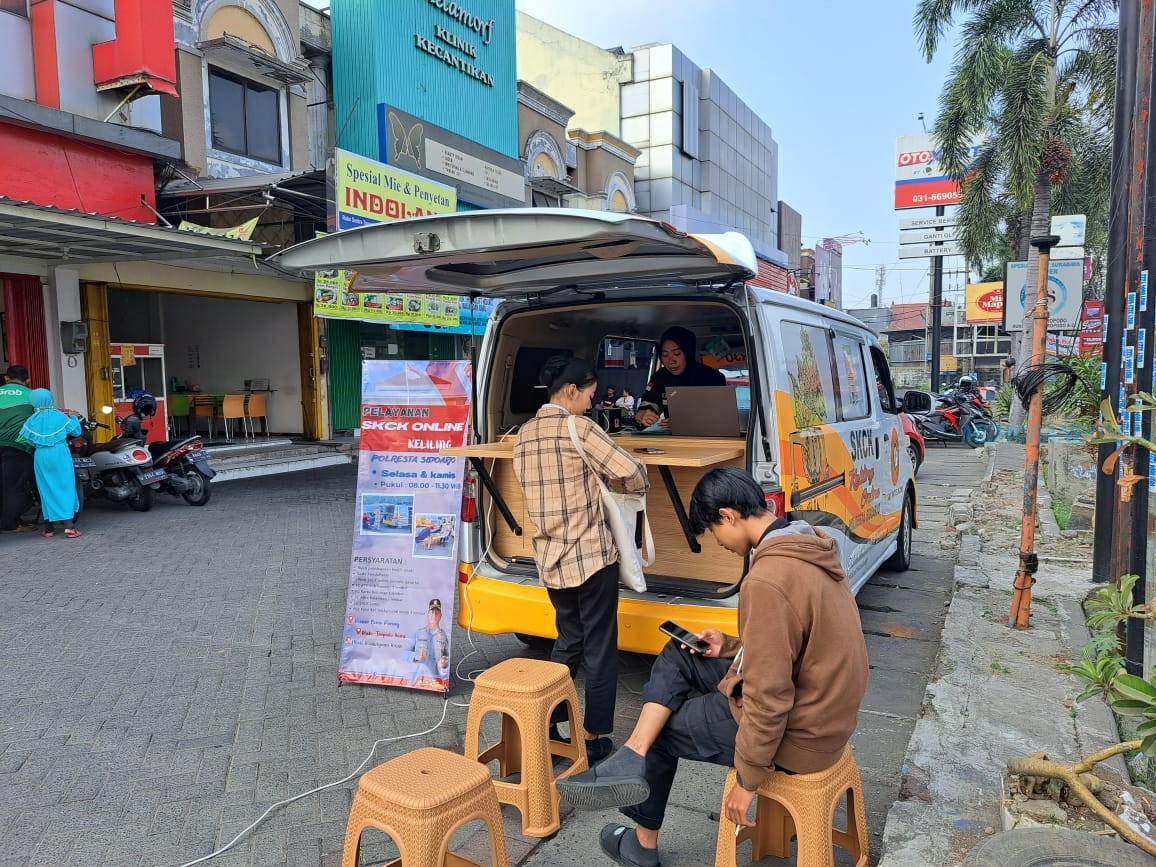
836	80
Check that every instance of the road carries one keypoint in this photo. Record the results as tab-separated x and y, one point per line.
168	676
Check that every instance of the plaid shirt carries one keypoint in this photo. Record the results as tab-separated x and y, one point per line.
562	495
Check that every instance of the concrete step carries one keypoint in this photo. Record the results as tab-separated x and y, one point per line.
237	469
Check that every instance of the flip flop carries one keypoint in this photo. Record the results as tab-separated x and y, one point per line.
611	839
47	535
72	534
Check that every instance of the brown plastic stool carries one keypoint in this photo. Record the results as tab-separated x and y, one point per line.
525	692
803	806
420	799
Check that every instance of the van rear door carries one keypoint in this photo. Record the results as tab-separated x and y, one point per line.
525	252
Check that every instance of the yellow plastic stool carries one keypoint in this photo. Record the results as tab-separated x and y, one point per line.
525	692
420	800
802	806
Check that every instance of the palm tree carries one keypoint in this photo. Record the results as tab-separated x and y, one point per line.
1035	78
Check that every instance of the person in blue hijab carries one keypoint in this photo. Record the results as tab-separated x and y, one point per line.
47	431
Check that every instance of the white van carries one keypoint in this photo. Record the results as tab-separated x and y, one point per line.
820	430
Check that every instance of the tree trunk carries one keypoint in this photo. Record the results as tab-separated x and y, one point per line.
1041	225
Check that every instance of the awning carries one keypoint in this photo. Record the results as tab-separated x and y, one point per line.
70	237
301	191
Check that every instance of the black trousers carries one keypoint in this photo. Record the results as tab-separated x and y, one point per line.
587	622
701	727
15	485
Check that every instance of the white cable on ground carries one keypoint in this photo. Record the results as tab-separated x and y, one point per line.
287	801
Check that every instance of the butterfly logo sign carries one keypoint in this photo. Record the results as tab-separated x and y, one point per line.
403	143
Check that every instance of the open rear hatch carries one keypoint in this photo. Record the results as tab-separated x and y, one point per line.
525	252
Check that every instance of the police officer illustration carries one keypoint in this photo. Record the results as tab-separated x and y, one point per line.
430	645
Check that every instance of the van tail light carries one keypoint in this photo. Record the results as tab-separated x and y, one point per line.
470	497
777	500
464	575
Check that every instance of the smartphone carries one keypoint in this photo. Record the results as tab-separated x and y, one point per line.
651	451
684	635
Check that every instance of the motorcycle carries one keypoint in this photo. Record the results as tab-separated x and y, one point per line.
186	464
120	470
956	419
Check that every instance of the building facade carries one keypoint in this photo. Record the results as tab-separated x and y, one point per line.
707	162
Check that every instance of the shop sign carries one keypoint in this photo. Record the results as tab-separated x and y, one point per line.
243	232
399	612
983	303
1091	327
443	40
483	176
1065	288
368	192
920	180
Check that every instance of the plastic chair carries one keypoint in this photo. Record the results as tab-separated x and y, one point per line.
233	407
525	692
255	407
801	806
204	407
420	799
179	406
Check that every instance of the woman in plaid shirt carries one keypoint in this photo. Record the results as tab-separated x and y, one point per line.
573	549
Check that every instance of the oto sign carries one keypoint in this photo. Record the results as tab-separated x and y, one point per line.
983	303
1065	294
920	181
910	251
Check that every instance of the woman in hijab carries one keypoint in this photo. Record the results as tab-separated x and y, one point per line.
47	431
680	366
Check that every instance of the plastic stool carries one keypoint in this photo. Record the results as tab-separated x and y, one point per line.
802	806
420	800
525	692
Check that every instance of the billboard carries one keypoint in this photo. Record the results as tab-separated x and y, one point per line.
1065	294
983	302
920	181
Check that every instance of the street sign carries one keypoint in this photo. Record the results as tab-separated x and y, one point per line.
926	222
927	236
929	251
1065	294
1067	253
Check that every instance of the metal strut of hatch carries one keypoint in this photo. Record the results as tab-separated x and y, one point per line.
487	481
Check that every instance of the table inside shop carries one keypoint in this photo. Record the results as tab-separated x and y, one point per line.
680	464
218	400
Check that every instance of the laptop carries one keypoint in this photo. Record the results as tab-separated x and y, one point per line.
703	411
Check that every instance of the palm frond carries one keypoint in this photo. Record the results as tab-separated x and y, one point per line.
1020	119
933	18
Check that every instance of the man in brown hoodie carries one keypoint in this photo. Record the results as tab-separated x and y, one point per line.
784	695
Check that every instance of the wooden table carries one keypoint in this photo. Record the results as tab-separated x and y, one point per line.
694	452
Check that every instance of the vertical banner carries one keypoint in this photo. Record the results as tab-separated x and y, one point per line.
403	574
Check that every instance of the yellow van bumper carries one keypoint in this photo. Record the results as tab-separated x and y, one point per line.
494	607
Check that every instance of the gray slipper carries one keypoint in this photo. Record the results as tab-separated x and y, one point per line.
616	782
614	836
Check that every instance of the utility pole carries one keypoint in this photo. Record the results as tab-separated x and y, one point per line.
880	282
936	309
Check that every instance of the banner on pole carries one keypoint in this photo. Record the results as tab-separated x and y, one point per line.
403	574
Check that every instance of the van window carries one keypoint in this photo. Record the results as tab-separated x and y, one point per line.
807	357
883	380
853	399
526	396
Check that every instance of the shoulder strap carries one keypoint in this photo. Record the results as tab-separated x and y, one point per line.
570	423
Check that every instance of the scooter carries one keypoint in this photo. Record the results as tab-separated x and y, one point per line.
956	420
120	470
186	464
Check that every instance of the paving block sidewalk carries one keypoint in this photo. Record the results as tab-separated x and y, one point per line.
995	692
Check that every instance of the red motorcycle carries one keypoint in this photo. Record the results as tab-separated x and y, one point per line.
186	464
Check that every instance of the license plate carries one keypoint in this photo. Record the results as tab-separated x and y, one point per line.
197	457
151	475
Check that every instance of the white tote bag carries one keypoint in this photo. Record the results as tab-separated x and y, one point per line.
623	512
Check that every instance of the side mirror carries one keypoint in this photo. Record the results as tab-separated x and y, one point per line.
917	402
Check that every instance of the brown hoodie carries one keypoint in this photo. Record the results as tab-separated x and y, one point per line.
801	665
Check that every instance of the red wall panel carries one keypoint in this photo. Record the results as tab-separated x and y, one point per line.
770	276
52	170
24	319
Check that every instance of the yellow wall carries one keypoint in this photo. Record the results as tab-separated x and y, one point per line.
234	21
577	73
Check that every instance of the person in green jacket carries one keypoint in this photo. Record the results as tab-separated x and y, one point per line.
15	454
